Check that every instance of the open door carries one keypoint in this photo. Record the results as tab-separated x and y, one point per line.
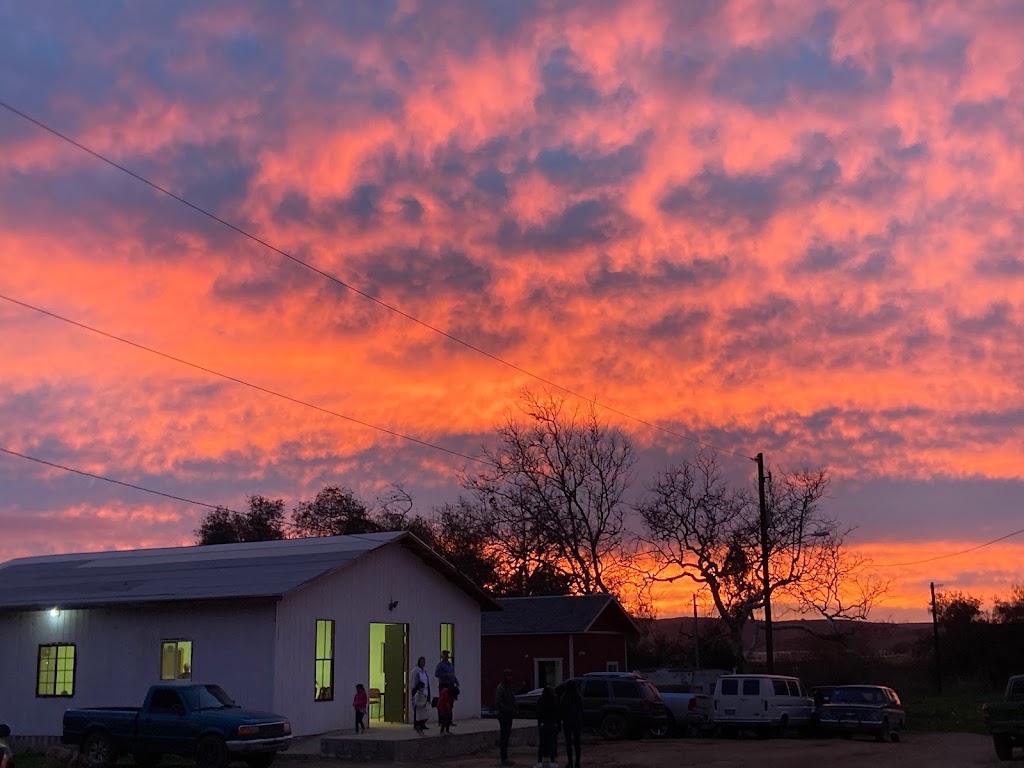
389	664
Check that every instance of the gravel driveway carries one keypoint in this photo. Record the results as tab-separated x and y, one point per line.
926	750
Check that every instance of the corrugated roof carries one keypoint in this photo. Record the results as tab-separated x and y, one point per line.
558	615
255	569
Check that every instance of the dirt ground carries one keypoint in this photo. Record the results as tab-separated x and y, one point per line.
926	750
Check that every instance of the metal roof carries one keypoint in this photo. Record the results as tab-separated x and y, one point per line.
249	570
557	615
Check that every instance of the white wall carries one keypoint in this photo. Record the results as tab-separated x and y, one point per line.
355	597
117	656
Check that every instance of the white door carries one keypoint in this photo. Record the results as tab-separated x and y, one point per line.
750	707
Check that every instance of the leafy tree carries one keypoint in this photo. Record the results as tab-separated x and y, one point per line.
263	521
700	529
219	526
554	497
1011	610
463	537
957	609
334	511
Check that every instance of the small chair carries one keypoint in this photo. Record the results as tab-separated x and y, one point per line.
374	698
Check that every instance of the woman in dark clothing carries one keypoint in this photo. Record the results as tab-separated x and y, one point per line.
547	727
571	709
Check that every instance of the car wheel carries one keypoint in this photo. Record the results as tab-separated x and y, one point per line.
212	752
883	732
1004	747
261	760
613	727
664	730
98	750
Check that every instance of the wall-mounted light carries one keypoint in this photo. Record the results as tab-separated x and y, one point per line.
392	605
55	612
581	653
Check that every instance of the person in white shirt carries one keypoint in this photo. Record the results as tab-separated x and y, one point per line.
419	682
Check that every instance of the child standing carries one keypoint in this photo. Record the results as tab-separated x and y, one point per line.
444	711
359	705
420	703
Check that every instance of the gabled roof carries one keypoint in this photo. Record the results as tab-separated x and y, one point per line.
558	615
262	569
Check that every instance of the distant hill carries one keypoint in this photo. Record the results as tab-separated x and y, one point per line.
807	636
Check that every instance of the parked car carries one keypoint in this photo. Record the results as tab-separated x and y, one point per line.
190	720
1004	720
689	712
873	709
616	704
769	704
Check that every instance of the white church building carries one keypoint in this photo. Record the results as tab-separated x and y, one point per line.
283	626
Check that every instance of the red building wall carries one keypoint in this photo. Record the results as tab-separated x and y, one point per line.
591	653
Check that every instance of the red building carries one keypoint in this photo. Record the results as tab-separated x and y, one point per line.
550	639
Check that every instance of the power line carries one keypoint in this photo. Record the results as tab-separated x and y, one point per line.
952	554
368	537
237	380
112	480
348	286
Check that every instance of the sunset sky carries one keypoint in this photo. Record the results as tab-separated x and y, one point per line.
783	227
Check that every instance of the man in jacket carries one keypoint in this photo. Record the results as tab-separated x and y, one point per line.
507	709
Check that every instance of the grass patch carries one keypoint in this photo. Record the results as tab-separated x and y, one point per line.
948	712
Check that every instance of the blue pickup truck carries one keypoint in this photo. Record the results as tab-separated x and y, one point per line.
186	719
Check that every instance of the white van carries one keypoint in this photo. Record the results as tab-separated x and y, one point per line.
768	703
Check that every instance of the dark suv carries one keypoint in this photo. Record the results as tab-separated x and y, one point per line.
616	704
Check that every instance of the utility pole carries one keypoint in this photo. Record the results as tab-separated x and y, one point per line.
696	635
935	635
769	641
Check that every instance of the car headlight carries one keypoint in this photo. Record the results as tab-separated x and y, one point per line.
248	730
287	728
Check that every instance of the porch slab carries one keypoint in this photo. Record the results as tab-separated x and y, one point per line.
393	742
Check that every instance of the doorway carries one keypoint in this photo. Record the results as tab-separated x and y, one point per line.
547	672
389	672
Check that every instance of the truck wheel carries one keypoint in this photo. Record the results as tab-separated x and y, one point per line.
212	752
1004	747
261	760
613	727
98	750
146	759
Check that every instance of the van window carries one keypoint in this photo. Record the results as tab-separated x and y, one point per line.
730	687
781	689
595	689
794	688
752	687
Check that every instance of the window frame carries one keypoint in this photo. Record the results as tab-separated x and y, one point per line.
318	695
191	655
39	669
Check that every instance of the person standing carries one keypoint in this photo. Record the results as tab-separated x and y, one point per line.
420	682
446	679
359	702
444	711
548	727
6	753
571	707
507	709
